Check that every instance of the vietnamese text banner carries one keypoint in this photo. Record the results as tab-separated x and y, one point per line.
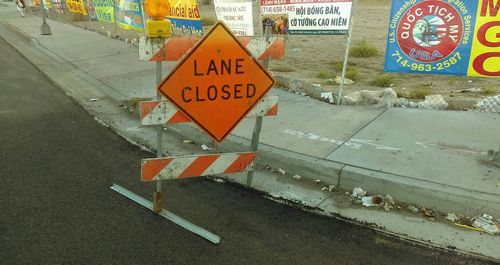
306	17
449	37
76	6
185	18
105	10
236	15
129	15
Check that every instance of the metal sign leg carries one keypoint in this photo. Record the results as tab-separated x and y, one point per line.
159	146
168	215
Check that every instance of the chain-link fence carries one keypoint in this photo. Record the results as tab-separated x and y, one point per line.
318	60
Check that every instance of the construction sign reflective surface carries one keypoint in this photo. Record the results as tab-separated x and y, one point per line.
217	83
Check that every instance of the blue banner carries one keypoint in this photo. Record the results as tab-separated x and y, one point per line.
430	36
129	15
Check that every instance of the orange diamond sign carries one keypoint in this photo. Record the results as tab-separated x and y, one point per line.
217	83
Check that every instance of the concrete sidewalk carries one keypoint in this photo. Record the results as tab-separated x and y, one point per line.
420	157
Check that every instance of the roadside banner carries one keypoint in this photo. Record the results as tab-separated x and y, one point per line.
47	4
91	10
306	17
59	7
104	10
237	15
76	6
129	15
185	18
449	37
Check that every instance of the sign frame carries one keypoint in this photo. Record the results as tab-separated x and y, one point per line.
186	58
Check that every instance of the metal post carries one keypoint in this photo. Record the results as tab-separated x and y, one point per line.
45	27
346	57
159	144
258	120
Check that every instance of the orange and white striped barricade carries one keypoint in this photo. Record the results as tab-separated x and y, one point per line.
178	167
222	44
173	49
160	112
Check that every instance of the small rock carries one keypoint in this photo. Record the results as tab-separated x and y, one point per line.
452	217
489	104
205	147
436	102
389	199
358	193
413	208
426	212
328	96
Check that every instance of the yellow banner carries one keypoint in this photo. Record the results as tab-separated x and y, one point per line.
76	6
47	4
485	53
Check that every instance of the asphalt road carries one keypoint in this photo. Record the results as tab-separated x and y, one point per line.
57	165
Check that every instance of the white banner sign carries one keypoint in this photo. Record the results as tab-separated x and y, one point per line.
236	15
306	17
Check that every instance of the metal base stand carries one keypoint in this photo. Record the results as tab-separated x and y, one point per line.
46	29
168	215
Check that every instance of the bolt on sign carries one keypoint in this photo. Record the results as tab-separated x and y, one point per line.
217	83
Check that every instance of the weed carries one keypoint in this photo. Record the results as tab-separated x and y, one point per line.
363	50
420	91
323	75
352	74
401	94
337	66
489	91
382	81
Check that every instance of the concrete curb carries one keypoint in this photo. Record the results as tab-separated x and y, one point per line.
421	193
